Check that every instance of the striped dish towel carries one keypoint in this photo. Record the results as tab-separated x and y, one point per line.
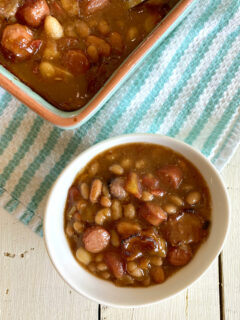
187	88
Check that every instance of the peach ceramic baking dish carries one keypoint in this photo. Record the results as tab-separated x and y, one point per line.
70	120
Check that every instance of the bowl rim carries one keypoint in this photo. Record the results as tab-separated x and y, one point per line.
73	119
119	138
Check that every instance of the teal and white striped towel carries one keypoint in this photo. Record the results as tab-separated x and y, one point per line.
187	88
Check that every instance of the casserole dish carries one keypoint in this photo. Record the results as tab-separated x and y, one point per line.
76	118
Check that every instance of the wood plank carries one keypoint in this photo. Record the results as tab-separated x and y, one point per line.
30	287
203	296
230	256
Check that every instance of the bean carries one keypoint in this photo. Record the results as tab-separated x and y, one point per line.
105	201
82	29
170	208
116	41
126	163
70	31
81	205
129	211
99	257
131	266
115	241
46	69
176	200
83	256
84	189
103	27
116	169
186	187
132	34
102	215
93	53
71	6
105	191
128	228
146	282
105	275
147	196
96	189
157	274
53	28
102	266
104	49
71	211
193	197
134	270
156	261
93	169
78	226
92	267
51	52
140	164
69	230
116	210
111	156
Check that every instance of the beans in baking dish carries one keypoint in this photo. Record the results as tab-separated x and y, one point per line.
66	50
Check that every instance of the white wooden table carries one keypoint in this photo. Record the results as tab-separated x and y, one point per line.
31	289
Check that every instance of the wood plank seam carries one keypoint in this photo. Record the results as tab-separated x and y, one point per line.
221	288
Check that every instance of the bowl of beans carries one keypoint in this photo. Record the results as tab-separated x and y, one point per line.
136	219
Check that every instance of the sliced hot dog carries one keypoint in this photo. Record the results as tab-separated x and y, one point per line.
96	239
76	61
150	182
16	40
179	256
73	195
33	12
170	175
115	264
91	6
153	213
184	228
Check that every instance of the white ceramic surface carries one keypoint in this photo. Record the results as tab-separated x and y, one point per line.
103	291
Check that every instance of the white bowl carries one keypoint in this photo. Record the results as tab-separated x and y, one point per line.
106	292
